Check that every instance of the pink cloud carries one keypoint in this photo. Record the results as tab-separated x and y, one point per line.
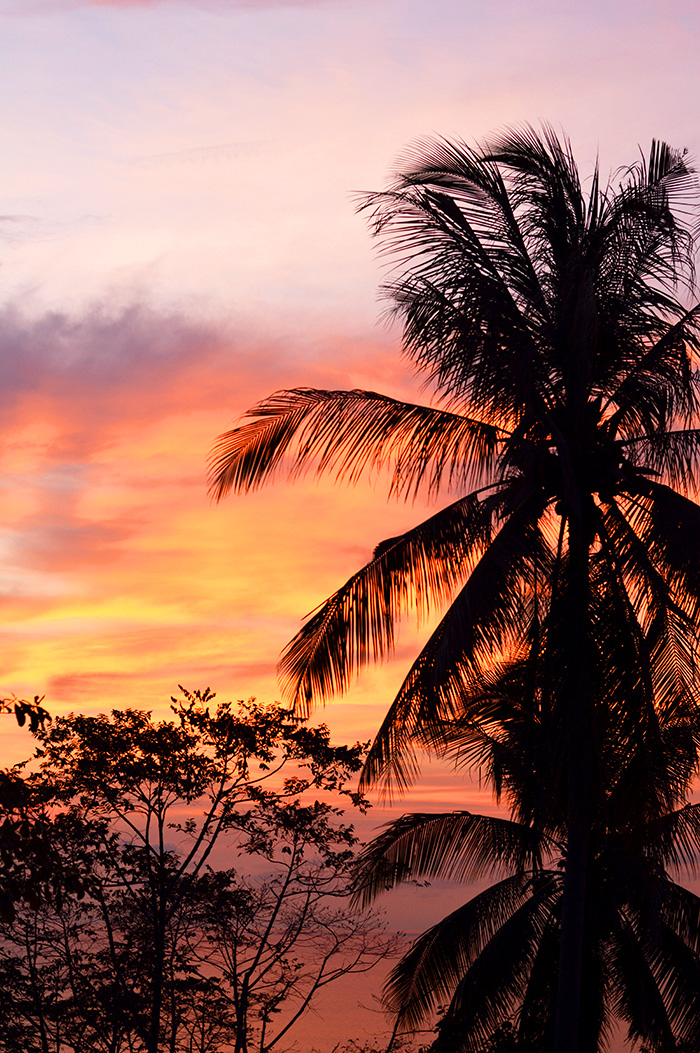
35	6
118	577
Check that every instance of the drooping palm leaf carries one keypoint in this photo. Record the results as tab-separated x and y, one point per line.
438	962
680	910
455	846
490	607
657	387
678	831
677	971
637	998
642	568
356	625
495	978
671	533
673	454
351	432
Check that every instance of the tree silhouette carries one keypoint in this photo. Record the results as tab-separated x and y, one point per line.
552	325
494	960
141	943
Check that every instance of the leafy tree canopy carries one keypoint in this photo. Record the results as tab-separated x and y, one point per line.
200	901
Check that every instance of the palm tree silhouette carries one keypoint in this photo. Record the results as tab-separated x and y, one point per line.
494	960
552	325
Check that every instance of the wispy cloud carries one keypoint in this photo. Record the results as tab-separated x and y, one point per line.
93	355
19	7
199	155
118	577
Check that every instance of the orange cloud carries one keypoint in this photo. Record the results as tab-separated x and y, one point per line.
119	578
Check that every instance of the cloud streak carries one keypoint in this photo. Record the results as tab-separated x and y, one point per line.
118	577
200	155
26	7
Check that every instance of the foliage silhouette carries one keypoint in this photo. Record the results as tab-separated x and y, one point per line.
24	709
553	325
494	961
161	948
22	834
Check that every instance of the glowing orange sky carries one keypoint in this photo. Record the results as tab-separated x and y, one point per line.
120	577
117	565
180	239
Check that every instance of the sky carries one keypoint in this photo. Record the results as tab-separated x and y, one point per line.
179	238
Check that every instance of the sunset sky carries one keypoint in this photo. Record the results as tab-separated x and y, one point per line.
178	238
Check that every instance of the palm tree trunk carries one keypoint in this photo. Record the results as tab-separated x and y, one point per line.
578	756
568	1007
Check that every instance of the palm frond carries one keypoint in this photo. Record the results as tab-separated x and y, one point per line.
469	180
351	432
495	979
356	625
669	524
452	846
678	835
670	635
489	608
677	969
511	735
655	384
467	286
648	213
674	454
680	910
511	910
635	990
536	1010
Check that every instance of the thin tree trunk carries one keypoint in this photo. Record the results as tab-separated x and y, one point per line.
578	756
36	997
242	1020
158	966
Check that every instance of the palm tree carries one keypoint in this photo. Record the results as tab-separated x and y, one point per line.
494	960
552	325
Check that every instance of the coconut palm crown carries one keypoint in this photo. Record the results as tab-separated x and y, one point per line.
557	330
553	328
